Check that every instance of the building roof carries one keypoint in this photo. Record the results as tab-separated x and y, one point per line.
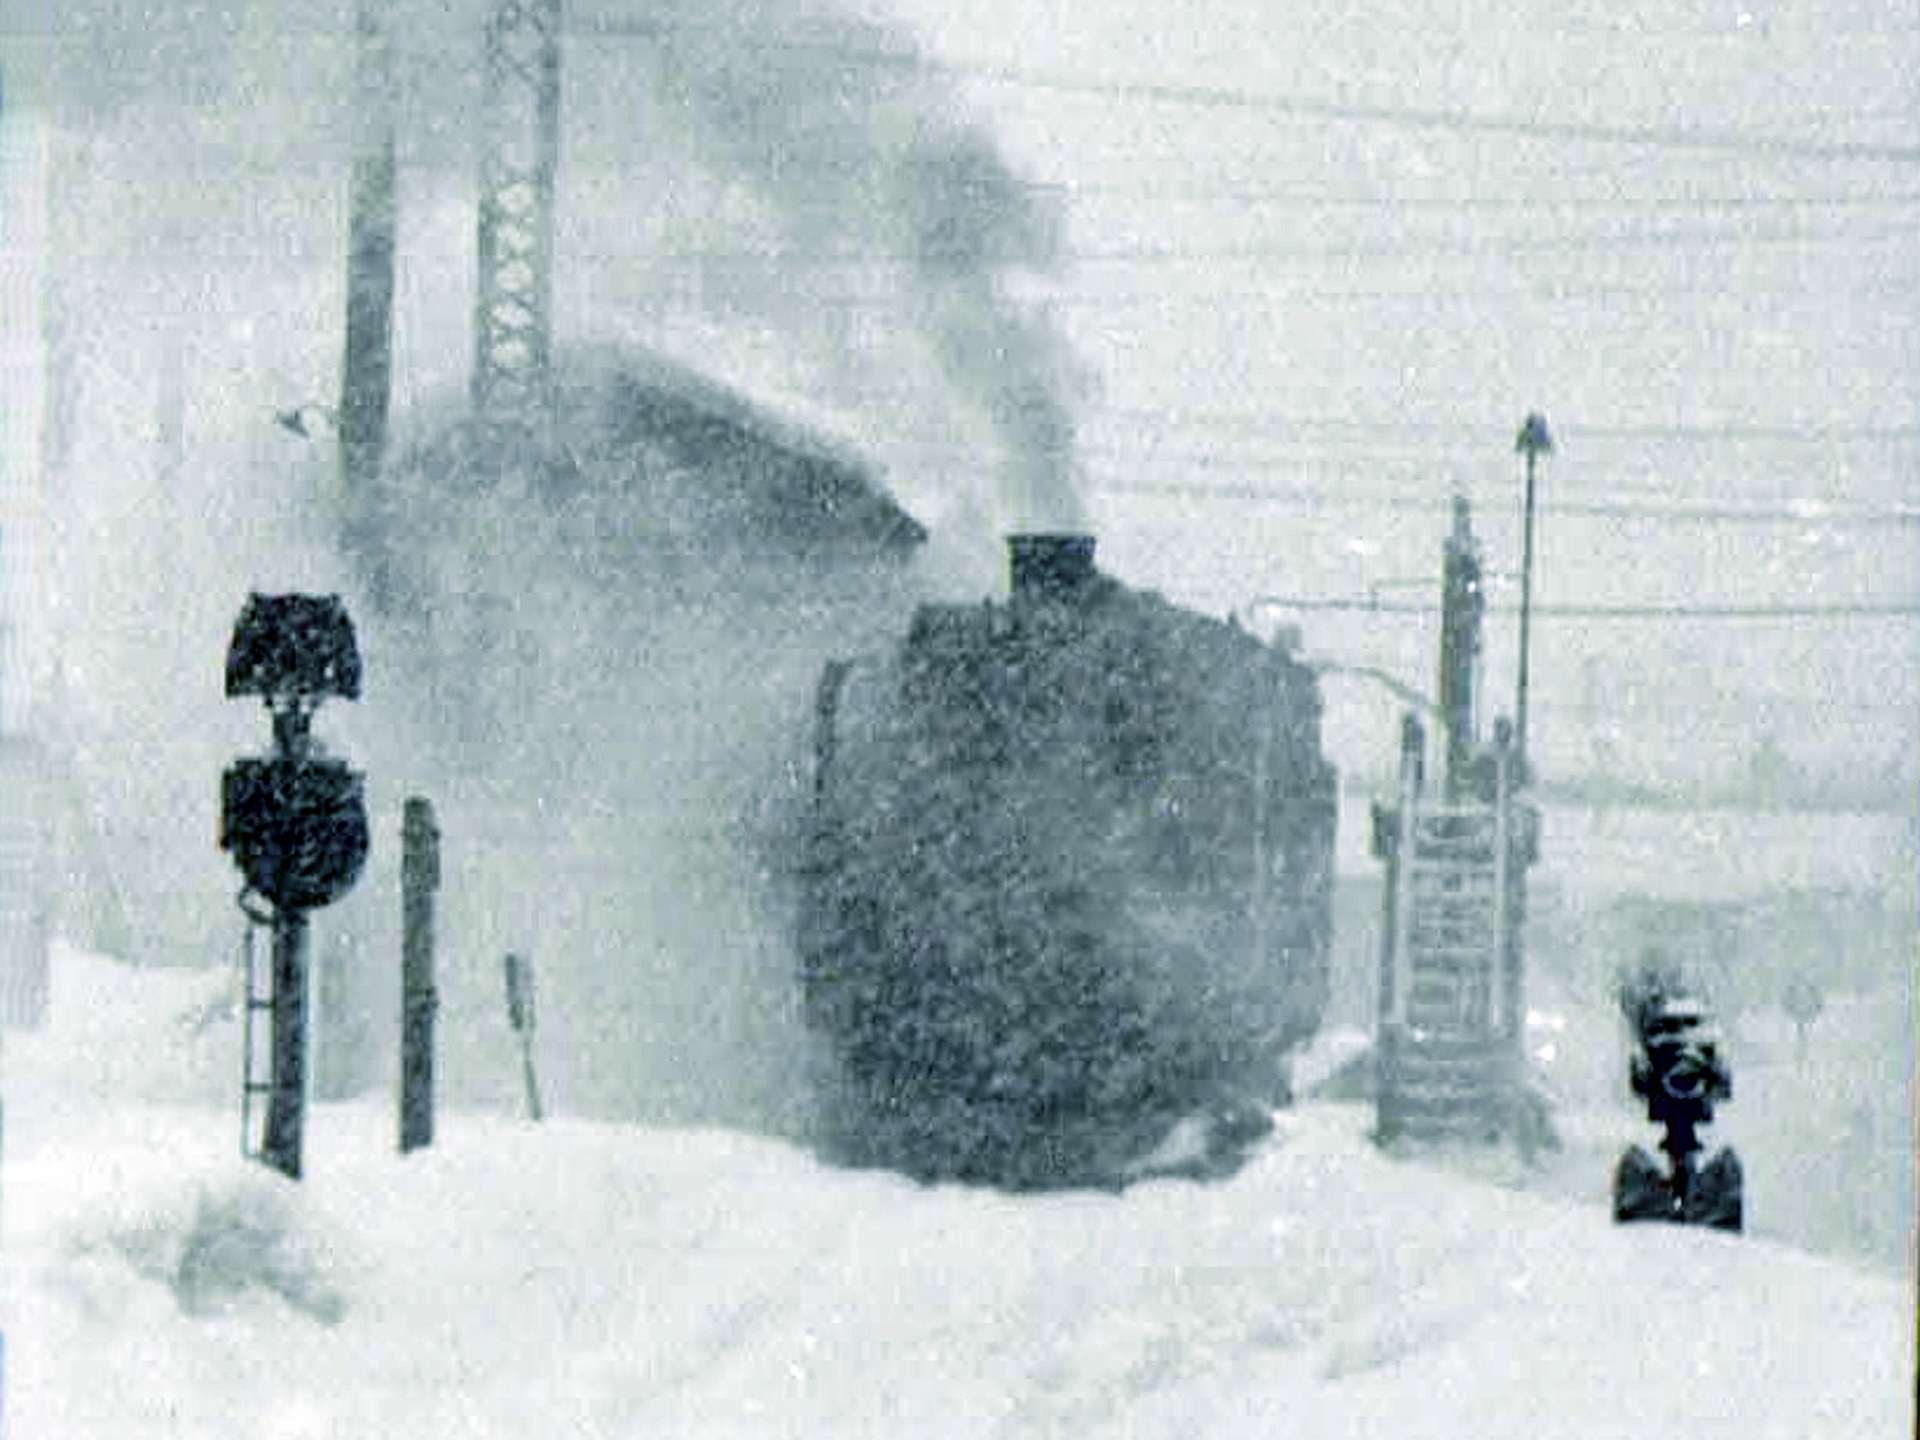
786	477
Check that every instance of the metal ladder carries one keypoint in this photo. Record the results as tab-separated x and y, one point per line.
1452	937
256	1004
1443	1062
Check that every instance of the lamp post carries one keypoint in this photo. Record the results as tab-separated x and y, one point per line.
1533	441
296	825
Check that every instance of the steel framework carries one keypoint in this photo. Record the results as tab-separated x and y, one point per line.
513	321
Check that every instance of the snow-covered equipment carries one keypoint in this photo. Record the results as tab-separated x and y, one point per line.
1068	879
1450	1064
296	825
1678	1069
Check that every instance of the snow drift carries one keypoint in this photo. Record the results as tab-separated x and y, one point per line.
586	1279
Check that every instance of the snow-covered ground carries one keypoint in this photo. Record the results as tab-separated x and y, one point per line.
583	1279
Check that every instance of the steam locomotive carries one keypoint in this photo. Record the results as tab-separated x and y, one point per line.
1067	881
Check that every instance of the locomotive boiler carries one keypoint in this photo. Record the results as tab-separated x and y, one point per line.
1067	882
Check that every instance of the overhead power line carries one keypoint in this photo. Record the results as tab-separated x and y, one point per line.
1663	137
1400	431
1410	245
1488	283
1225	97
1811	513
1473	247
1182	187
1852	610
1479	431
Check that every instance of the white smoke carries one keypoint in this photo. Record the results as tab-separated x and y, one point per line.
801	202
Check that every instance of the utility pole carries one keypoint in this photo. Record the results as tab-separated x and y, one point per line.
366	381
1532	442
520	115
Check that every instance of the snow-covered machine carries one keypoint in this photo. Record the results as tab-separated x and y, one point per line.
1068	881
1677	1068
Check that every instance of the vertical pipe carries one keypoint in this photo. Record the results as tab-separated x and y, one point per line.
1532	441
1526	615
420	877
287	1103
1461	606
1055	564
1499	995
1413	741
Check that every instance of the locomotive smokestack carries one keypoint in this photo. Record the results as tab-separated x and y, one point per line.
1055	565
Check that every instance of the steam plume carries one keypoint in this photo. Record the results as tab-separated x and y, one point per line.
853	141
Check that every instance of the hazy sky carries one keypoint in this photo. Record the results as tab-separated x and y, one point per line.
1330	259
1264	285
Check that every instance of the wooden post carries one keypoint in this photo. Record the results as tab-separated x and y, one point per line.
419	878
520	1017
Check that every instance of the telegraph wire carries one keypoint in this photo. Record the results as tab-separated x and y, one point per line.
1473	246
1308	457
1300	288
1895	610
1455	121
1864	711
1193	95
1185	190
1811	514
1435	245
1477	431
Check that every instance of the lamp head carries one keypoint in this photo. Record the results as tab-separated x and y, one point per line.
293	648
1533	438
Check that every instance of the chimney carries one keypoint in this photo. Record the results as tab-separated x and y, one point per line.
1057	566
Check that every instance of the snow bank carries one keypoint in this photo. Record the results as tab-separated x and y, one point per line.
585	1279
582	1279
120	1032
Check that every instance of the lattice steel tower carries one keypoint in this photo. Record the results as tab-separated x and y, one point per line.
513	321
